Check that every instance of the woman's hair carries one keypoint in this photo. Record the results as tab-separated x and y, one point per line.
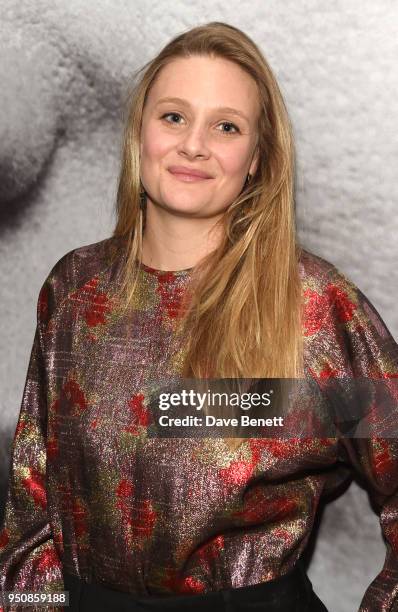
244	315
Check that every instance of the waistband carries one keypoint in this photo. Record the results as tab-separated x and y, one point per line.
282	594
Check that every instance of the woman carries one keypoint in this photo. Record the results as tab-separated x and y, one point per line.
202	277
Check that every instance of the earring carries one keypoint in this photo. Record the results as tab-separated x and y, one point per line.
248	178
143	199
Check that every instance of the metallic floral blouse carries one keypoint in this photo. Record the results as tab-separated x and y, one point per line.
89	490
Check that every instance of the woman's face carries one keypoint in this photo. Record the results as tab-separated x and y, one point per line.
201	114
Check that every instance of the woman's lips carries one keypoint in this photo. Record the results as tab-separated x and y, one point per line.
188	178
187	175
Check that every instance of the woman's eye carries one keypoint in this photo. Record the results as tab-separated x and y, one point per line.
176	118
231	128
172	117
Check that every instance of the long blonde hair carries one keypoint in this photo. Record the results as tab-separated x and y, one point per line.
244	318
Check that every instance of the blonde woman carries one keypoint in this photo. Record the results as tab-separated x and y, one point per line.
202	277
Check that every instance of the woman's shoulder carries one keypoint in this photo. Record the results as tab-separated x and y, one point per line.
337	315
75	269
321	275
84	261
329	294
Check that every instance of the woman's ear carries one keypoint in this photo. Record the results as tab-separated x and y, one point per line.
254	162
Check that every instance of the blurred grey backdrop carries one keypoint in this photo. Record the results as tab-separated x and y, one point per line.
64	69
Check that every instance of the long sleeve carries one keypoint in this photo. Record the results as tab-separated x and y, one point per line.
29	559
373	354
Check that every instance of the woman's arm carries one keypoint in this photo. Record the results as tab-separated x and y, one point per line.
372	354
29	559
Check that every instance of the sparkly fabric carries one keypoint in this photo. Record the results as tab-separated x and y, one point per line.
157	516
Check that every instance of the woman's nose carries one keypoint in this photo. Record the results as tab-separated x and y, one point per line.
194	142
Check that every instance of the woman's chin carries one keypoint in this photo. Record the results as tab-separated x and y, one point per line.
187	209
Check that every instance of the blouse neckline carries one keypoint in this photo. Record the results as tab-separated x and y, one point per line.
157	272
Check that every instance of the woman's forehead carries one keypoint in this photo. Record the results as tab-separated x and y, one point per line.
205	80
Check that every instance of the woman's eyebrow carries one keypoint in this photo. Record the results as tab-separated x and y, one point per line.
221	109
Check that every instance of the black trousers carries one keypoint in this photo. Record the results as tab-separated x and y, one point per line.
292	592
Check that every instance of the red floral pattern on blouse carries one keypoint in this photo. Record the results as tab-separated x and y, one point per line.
92	304
171	295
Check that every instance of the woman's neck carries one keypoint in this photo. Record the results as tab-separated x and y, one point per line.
176	242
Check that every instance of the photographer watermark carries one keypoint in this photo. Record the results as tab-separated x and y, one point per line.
287	408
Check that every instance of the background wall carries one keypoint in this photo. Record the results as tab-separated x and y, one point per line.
64	69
